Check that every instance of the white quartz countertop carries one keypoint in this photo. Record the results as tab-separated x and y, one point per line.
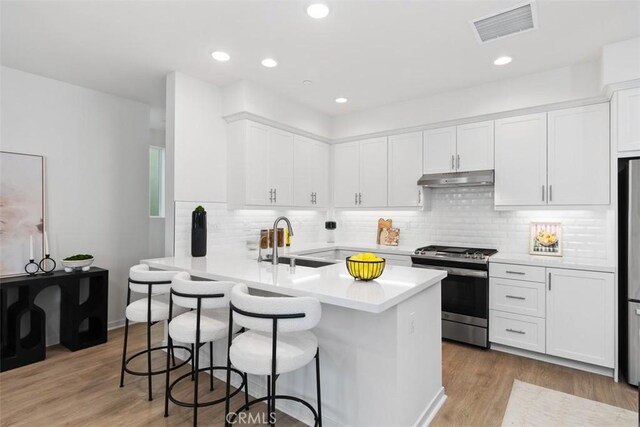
554	262
330	284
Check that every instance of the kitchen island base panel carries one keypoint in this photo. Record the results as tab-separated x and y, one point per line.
376	369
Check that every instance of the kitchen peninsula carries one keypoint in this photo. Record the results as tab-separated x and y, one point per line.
380	341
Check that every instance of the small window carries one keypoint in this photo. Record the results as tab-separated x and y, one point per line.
156	182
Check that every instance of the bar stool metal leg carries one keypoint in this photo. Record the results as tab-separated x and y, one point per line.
149	376
126	338
319	423
210	365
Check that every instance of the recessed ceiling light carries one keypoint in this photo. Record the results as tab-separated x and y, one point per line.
318	10
269	62
218	55
306	82
503	60
341	100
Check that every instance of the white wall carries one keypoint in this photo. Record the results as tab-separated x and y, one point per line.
246	96
621	61
96	151
200	141
564	84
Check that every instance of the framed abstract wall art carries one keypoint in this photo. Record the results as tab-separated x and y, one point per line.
21	210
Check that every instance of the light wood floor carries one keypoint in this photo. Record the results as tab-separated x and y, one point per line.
81	388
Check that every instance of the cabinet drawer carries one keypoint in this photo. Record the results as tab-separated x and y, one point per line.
515	330
518	272
517	296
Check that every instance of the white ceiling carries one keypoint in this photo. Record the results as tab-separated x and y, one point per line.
373	53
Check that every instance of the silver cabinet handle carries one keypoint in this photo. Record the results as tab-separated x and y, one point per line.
515	331
543	193
315	198
356	194
312	198
453	164
515	297
359	198
549	280
419	197
551	193
275	195
458	166
515	272
271	195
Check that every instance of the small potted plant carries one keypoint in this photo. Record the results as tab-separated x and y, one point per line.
199	232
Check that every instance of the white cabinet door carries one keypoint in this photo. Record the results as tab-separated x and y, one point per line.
521	160
628	120
346	174
302	176
578	156
439	150
580	316
280	158
373	173
319	168
474	146
405	168
257	169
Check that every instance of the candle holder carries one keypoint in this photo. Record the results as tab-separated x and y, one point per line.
31	268
43	265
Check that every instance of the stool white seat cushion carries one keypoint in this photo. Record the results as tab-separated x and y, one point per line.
251	351
137	310
214	325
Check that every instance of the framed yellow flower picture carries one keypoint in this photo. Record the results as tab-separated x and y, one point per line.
545	238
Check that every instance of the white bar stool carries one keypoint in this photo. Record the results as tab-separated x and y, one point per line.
150	310
205	323
277	340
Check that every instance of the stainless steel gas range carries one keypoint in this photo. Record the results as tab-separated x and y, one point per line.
465	290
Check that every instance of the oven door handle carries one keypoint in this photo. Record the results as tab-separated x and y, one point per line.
457	271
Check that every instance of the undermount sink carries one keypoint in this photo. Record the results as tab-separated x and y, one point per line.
303	262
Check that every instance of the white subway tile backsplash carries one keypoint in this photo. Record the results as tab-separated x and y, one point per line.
466	216
458	216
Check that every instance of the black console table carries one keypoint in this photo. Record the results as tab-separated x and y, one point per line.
19	348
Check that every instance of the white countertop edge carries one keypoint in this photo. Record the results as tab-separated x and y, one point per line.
552	262
323	298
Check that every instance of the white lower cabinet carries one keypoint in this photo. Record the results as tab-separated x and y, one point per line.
580	316
515	330
565	313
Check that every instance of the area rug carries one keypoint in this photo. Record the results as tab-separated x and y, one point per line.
531	405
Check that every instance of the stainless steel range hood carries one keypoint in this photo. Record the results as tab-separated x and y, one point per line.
457	179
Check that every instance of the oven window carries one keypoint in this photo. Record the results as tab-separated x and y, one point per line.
465	295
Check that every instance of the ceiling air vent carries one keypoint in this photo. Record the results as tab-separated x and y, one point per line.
506	23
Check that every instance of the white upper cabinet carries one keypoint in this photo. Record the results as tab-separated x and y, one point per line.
310	172
521	160
474	146
261	171
628	119
258	191
580	316
405	168
461	148
578	156
346	174
360	173
280	165
439	150
373	173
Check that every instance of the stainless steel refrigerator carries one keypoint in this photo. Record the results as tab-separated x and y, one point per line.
629	267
